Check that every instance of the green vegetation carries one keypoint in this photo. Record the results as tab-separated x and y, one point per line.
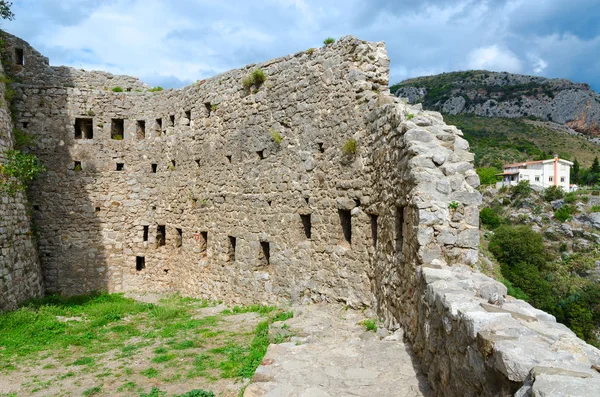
521	190
370	325
173	339
410	116
18	171
310	51
350	147
117	137
5	11
489	217
553	193
254	79
564	213
595	208
453	205
277	138
487	175
551	285
472	85
117	89
499	141
156	392
155	89
92	391
329	40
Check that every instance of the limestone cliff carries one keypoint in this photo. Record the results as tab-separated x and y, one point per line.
508	95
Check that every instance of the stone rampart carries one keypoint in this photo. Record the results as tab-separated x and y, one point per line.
317	185
20	273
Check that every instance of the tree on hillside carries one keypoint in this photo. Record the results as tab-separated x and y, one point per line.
487	175
5	12
575	172
595	169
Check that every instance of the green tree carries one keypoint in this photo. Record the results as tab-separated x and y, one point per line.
517	244
595	168
575	172
5	11
487	175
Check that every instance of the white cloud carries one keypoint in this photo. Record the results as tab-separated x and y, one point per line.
186	40
493	58
538	65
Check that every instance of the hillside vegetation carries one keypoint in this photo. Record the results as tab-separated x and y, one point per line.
493	94
498	141
544	247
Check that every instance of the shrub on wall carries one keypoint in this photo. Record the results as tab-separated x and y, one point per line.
256	79
18	171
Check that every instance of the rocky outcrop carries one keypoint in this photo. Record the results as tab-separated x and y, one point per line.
508	95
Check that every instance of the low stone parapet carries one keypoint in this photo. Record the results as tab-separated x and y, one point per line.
475	340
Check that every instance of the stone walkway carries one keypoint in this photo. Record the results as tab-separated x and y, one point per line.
331	355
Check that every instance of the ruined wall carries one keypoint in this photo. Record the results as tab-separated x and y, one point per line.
20	273
218	174
391	226
472	340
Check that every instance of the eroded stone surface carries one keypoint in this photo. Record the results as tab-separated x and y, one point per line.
334	356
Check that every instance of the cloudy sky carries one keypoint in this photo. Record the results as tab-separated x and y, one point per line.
175	42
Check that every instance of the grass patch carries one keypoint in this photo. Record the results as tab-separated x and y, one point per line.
129	386
329	41
150	373
282	316
163	358
84	361
260	309
117	89
92	391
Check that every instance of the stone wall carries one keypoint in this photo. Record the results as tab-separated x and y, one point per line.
20	273
193	191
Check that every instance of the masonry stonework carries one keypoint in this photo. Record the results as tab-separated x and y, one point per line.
20	272
253	195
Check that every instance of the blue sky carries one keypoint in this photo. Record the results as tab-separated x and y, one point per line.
175	42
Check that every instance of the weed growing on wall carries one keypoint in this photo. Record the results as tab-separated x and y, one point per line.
18	171
329	40
254	79
277	138
350	147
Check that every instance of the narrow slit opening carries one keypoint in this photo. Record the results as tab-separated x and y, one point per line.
232	244
141	129
140	263
265	253
399	229
306	225
346	224
374	229
161	235
179	240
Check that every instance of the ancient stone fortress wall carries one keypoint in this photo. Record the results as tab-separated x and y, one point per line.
220	191
20	272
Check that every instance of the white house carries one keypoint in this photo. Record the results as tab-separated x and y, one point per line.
542	173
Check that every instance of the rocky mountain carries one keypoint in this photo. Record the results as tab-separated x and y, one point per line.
507	95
